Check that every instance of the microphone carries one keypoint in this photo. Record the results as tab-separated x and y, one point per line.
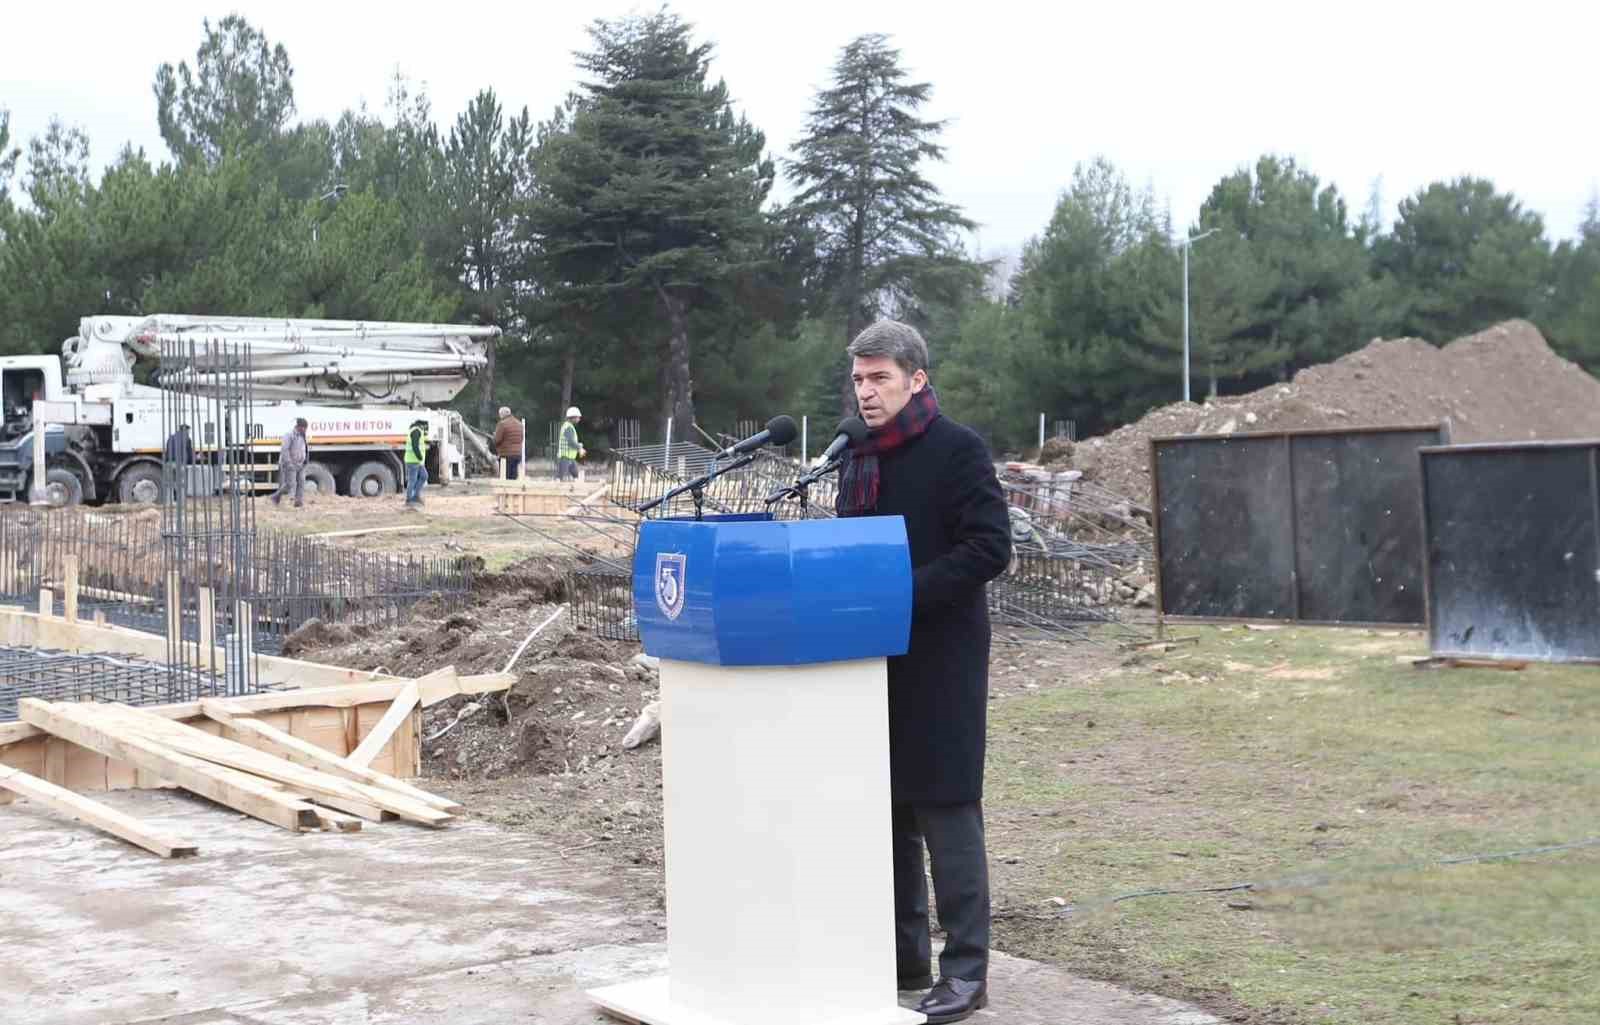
780	430
852	430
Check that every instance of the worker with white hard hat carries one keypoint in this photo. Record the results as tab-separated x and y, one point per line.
569	450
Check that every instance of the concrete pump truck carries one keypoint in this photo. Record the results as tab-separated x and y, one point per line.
359	385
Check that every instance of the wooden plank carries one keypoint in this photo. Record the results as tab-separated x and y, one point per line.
71	562
404	746
47	602
583	504
367	530
208	620
378	739
26	755
74	806
121	776
347	795
333	821
72	723
435	687
245	616
55	761
86	770
303	752
174	611
367	719
258	734
320	727
354	808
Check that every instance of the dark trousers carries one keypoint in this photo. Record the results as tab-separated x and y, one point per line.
512	464
953	837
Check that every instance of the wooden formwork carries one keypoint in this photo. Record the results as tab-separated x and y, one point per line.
532	503
339	731
332	741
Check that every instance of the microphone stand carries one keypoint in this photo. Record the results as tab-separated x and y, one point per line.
697	486
800	486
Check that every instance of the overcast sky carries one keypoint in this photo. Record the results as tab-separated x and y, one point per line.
1175	94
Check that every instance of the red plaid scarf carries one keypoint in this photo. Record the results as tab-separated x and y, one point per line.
858	485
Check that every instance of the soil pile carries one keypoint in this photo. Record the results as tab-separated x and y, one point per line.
1503	384
546	754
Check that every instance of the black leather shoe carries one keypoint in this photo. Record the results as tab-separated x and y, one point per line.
911	982
954	1000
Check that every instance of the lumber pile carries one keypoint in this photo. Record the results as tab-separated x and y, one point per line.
231	757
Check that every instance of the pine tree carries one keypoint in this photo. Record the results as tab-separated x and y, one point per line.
485	178
240	93
1466	257
648	188
880	228
8	165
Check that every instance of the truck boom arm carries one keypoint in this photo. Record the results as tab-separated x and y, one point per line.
328	361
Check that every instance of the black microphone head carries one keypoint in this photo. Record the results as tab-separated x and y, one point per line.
782	429
854	427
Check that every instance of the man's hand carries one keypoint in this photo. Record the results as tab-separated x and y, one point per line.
582	451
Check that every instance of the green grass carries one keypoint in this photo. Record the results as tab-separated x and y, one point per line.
1315	763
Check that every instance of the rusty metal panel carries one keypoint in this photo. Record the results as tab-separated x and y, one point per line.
1513	551
1320	526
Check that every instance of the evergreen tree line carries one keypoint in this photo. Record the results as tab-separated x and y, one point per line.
631	249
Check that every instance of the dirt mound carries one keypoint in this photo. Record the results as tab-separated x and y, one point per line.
575	697
541	578
1056	452
1503	384
313	635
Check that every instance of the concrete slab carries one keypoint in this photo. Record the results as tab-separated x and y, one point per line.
396	925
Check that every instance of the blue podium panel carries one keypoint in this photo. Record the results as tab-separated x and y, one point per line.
751	591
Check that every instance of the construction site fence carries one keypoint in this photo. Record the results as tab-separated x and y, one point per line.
289	578
1037	593
1075	545
646	474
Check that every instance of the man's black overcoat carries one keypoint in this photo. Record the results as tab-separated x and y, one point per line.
944	484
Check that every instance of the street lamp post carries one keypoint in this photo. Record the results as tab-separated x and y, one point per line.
1185	244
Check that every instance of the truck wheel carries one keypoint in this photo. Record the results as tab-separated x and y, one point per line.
372	480
62	487
319	480
139	484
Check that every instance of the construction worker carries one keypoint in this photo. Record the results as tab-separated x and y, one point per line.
178	454
293	455
569	450
508	441
416	462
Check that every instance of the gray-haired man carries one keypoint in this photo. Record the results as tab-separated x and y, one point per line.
937	474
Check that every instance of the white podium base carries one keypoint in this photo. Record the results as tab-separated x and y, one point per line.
649	1002
780	882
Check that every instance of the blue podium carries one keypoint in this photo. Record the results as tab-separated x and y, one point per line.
772	637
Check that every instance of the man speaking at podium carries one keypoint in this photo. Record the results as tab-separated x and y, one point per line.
921	465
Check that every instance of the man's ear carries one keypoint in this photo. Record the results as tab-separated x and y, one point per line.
919	381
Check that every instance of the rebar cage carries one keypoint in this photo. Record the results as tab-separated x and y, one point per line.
76	676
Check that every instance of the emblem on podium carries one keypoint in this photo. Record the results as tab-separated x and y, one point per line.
669	583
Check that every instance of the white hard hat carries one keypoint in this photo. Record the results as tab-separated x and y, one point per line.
572	411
